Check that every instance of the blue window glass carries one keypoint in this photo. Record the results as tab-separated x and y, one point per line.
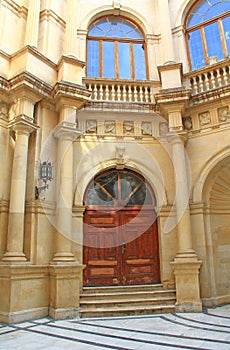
108	59
93	58
206	17
115	28
206	10
122	55
226	25
139	61
196	50
124	60
213	40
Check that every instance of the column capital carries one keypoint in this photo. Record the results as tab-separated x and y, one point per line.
66	130
178	138
22	125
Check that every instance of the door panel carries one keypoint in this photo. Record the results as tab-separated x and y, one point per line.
101	253
140	259
120	248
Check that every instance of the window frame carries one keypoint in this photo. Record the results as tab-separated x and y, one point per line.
217	19
116	41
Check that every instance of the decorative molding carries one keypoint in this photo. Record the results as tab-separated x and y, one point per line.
49	14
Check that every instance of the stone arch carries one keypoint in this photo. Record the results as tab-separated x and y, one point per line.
183	11
153	179
197	193
125	12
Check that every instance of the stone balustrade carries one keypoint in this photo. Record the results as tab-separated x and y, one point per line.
212	77
122	91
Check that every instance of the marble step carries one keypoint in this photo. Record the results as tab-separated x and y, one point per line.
126	300
126	293
127	310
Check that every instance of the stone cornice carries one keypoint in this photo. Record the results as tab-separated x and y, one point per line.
70	94
49	14
22	124
14	7
28	80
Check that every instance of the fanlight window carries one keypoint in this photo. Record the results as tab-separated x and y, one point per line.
118	188
208	32
116	49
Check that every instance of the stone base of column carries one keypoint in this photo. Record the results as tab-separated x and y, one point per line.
24	292
65	282
63	314
187	286
64	258
14	257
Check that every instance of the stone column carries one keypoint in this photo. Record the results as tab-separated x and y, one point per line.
185	265
65	271
70	48
65	132
15	238
32	24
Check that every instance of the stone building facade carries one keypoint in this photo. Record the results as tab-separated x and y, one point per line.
114	152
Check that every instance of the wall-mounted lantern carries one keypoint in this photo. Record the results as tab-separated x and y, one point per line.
45	175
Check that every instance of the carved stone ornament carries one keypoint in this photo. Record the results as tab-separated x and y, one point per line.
3	111
163	129
205	118
91	126
120	151
223	114
110	127
146	128
128	127
187	122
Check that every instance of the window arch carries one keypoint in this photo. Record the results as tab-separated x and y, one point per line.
208	32
116	49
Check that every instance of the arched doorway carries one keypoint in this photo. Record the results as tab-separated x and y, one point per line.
120	231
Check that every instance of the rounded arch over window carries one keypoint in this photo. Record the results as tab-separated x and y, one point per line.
119	188
116	49
208	32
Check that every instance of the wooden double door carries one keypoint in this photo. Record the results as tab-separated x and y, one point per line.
120	231
120	247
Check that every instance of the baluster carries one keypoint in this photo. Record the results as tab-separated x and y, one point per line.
141	94
146	94
135	96
130	93
113	93
101	92
213	80
201	83
89	87
225	75
219	78
124	93
194	85
95	92
106	92
119	92
206	82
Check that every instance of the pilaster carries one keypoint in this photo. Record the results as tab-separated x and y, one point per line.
32	24
65	132
22	126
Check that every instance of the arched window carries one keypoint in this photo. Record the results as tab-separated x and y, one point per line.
116	49
208	32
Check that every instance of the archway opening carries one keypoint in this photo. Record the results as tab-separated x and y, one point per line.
120	230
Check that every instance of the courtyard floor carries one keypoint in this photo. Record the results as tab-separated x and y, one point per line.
207	330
